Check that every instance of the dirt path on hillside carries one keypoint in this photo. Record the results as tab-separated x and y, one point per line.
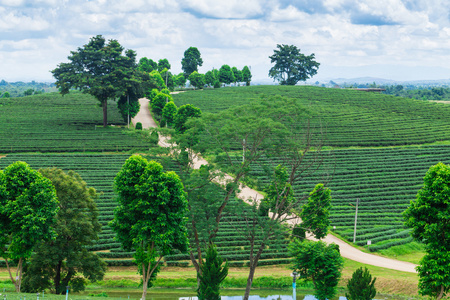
347	251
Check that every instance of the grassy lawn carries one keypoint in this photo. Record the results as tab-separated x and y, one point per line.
126	279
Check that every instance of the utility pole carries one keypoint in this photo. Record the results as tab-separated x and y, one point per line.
356	219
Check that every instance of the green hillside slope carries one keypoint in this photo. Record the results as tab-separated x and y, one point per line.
53	123
349	118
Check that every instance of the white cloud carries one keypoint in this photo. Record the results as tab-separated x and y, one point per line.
39	34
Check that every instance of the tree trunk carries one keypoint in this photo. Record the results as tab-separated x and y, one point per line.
146	275
441	294
105	112
58	278
253	264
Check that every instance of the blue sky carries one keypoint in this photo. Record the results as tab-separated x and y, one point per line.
392	39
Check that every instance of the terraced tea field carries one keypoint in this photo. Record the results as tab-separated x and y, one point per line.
53	123
350	118
385	180
99	170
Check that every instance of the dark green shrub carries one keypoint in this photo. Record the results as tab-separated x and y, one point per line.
213	273
361	286
138	126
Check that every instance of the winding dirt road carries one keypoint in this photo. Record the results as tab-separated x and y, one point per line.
246	193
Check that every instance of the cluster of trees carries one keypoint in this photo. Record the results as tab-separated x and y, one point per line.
19	89
47	219
166	111
414	92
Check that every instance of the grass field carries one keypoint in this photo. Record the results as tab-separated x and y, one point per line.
126	279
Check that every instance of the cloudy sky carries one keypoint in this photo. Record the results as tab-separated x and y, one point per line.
392	39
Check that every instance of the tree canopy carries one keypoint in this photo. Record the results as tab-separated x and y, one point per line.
428	217
65	261
316	211
98	68
226	74
320	263
197	80
191	61
291	66
28	206
150	217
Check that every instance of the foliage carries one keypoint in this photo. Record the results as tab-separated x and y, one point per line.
428	217
147	65
191	61
246	75
138	126
28	206
159	82
128	107
169	112
291	66
66	261
180	80
320	263
197	80
184	113
210	78
159	101
99	69
237	74
361	286
163	64
226	75
150	217
315	213
213	273
279	193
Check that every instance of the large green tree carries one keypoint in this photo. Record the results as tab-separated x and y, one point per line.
237	74
65	261
191	61
184	113
147	65
150	218
226	74
429	216
28	206
197	80
99	68
291	66
320	263
163	64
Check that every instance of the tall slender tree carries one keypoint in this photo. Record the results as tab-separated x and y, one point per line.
150	218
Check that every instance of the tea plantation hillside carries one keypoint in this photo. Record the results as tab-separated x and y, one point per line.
99	170
349	117
53	123
384	178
